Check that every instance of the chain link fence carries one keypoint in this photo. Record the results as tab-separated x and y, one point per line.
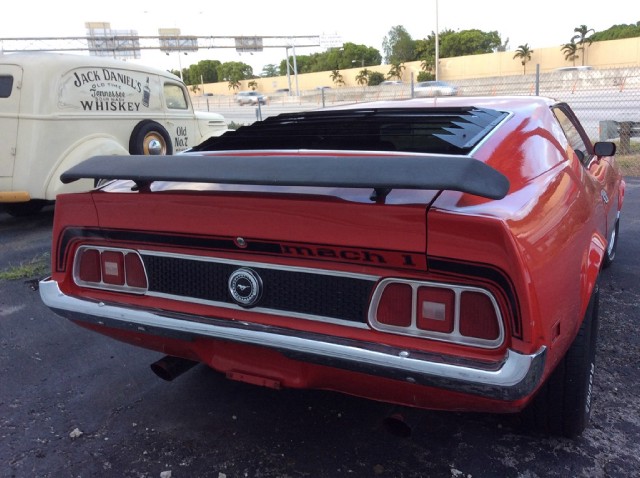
607	101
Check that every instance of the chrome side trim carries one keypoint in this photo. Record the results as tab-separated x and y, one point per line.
516	376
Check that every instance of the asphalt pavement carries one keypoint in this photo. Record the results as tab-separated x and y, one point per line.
77	404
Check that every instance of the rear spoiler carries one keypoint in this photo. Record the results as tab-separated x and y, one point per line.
381	173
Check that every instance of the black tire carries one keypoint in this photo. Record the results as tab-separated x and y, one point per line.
562	406
145	134
610	253
29	208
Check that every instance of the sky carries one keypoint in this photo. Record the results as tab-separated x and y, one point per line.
541	24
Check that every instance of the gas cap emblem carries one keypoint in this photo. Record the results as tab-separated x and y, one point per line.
245	287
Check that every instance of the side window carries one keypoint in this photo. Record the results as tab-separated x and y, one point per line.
6	85
573	136
175	97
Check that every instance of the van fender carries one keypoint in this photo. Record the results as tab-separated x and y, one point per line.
98	144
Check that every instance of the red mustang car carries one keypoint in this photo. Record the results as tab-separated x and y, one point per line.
433	253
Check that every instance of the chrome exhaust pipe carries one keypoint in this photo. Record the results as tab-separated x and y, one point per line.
170	367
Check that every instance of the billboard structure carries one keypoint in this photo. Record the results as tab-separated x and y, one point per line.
103	41
171	40
248	44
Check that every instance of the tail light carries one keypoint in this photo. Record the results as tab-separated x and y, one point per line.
451	313
110	269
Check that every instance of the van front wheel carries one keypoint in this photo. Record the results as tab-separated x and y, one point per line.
150	137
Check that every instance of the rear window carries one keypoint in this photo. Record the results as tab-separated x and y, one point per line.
420	130
6	85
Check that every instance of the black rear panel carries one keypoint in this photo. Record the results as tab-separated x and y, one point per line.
289	291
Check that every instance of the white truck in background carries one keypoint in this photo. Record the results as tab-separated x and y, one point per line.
57	110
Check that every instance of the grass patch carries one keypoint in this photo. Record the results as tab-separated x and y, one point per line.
36	267
629	164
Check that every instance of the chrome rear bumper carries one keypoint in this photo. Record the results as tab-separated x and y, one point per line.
515	377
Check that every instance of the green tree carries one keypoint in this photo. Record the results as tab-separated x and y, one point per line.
363	77
425	76
582	35
570	51
209	70
234	84
336	77
469	42
253	84
428	64
524	54
375	78
342	58
396	71
618	32
234	71
398	46
269	71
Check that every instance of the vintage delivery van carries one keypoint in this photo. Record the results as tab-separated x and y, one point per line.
57	110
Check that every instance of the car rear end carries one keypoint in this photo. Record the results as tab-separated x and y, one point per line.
328	264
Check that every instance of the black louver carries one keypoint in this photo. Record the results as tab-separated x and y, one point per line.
423	130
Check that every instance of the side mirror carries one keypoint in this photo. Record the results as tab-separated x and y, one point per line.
604	148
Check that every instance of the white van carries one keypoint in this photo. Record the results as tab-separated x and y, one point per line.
58	109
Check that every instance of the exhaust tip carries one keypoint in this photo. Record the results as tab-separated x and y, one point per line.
169	367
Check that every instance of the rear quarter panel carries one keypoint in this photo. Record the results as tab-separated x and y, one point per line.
547	235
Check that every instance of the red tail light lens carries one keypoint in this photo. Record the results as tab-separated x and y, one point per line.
452	313
136	275
88	265
396	305
478	316
110	269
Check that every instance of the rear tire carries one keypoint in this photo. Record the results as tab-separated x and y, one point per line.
563	404
610	254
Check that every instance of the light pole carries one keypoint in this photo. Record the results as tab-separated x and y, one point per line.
362	60
437	46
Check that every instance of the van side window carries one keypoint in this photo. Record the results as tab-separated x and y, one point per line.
6	85
174	96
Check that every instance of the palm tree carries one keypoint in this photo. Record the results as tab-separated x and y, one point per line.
396	71
253	84
524	54
582	33
336	76
363	77
570	51
427	64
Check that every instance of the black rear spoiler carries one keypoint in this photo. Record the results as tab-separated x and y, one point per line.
381	173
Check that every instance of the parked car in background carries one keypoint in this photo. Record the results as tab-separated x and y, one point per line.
391	83
433	254
434	88
251	98
59	109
